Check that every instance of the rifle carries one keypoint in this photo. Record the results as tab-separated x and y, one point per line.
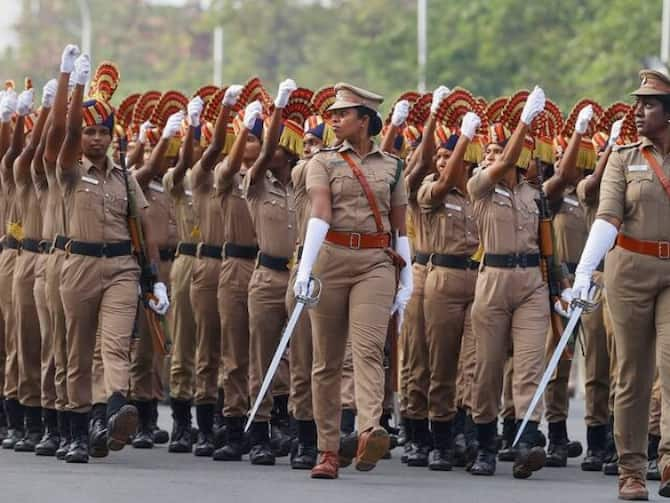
550	272
147	274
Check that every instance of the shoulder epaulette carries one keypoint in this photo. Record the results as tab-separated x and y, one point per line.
627	146
329	149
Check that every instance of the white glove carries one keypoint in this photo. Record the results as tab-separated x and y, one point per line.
583	118
470	124
70	54
161	304
144	127
82	68
49	93
8	105
232	93
400	113
314	238
284	92
438	95
194	110
615	132
25	102
252	112
173	125
534	105
601	239
406	286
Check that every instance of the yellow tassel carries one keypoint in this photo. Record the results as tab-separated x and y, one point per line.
15	229
474	152
544	150
195	233
477	256
292	141
328	136
524	158
173	147
587	157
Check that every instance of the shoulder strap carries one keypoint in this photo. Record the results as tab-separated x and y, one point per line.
366	189
651	160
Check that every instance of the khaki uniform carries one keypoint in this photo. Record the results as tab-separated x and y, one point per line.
98	292
182	322
272	209
359	286
233	293
348	382
655	409
449	292
638	293
204	288
511	306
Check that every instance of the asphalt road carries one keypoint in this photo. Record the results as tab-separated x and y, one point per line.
156	475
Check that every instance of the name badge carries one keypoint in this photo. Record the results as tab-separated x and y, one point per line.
503	192
454	207
89	179
638	168
571	201
156	187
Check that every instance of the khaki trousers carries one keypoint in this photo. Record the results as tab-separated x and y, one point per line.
48	371
638	293
556	396
54	265
182	329
507	394
98	294
358	291
403	349
7	262
98	389
28	330
416	359
204	289
611	350
348	381
267	317
466	368
233	296
510	310
447	308
655	408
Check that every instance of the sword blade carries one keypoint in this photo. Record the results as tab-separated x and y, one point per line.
276	359
551	367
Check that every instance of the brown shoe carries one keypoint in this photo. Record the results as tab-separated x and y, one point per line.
327	467
664	488
372	445
633	488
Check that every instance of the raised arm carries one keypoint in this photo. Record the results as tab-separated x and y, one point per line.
7	109
252	113
398	118
150	169
71	148
56	132
592	182
25	159
211	155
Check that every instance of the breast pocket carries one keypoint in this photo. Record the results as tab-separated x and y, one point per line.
86	198
639	186
529	216
117	204
502	206
342	182
274	209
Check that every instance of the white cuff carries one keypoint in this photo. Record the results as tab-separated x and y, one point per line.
600	241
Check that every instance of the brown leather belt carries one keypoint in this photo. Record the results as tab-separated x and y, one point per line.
658	249
357	241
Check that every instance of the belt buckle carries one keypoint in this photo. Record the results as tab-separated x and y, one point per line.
355	241
664	250
103	251
512	261
523	261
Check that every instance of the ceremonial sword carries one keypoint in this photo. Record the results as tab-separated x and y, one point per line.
579	306
309	300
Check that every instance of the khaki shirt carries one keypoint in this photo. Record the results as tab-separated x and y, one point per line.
8	198
570	231
208	208
28	210
302	202
350	208
162	215
590	205
96	202
631	192
451	221
54	208
423	235
237	225
182	198
272	209
507	218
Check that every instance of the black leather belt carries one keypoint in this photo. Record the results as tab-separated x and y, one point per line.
31	245
167	254
274	263
60	242
209	251
421	258
11	243
239	251
109	250
511	261
190	249
454	261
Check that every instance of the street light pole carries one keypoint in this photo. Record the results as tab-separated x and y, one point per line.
218	56
85	27
421	8
665	32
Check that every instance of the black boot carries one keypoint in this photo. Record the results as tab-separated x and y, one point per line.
3	420
529	457
65	434
15	423
97	433
422	441
261	452
485	464
305	457
143	438
33	433
159	435
611	465
78	451
557	453
596	440
471	443
460	444
51	439
410	445
182	440
280	435
233	447
653	471
385	422
507	452
442	455
204	415
348	421
121	421
402	433
219	423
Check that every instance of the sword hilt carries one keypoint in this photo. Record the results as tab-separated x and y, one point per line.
590	304
313	293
